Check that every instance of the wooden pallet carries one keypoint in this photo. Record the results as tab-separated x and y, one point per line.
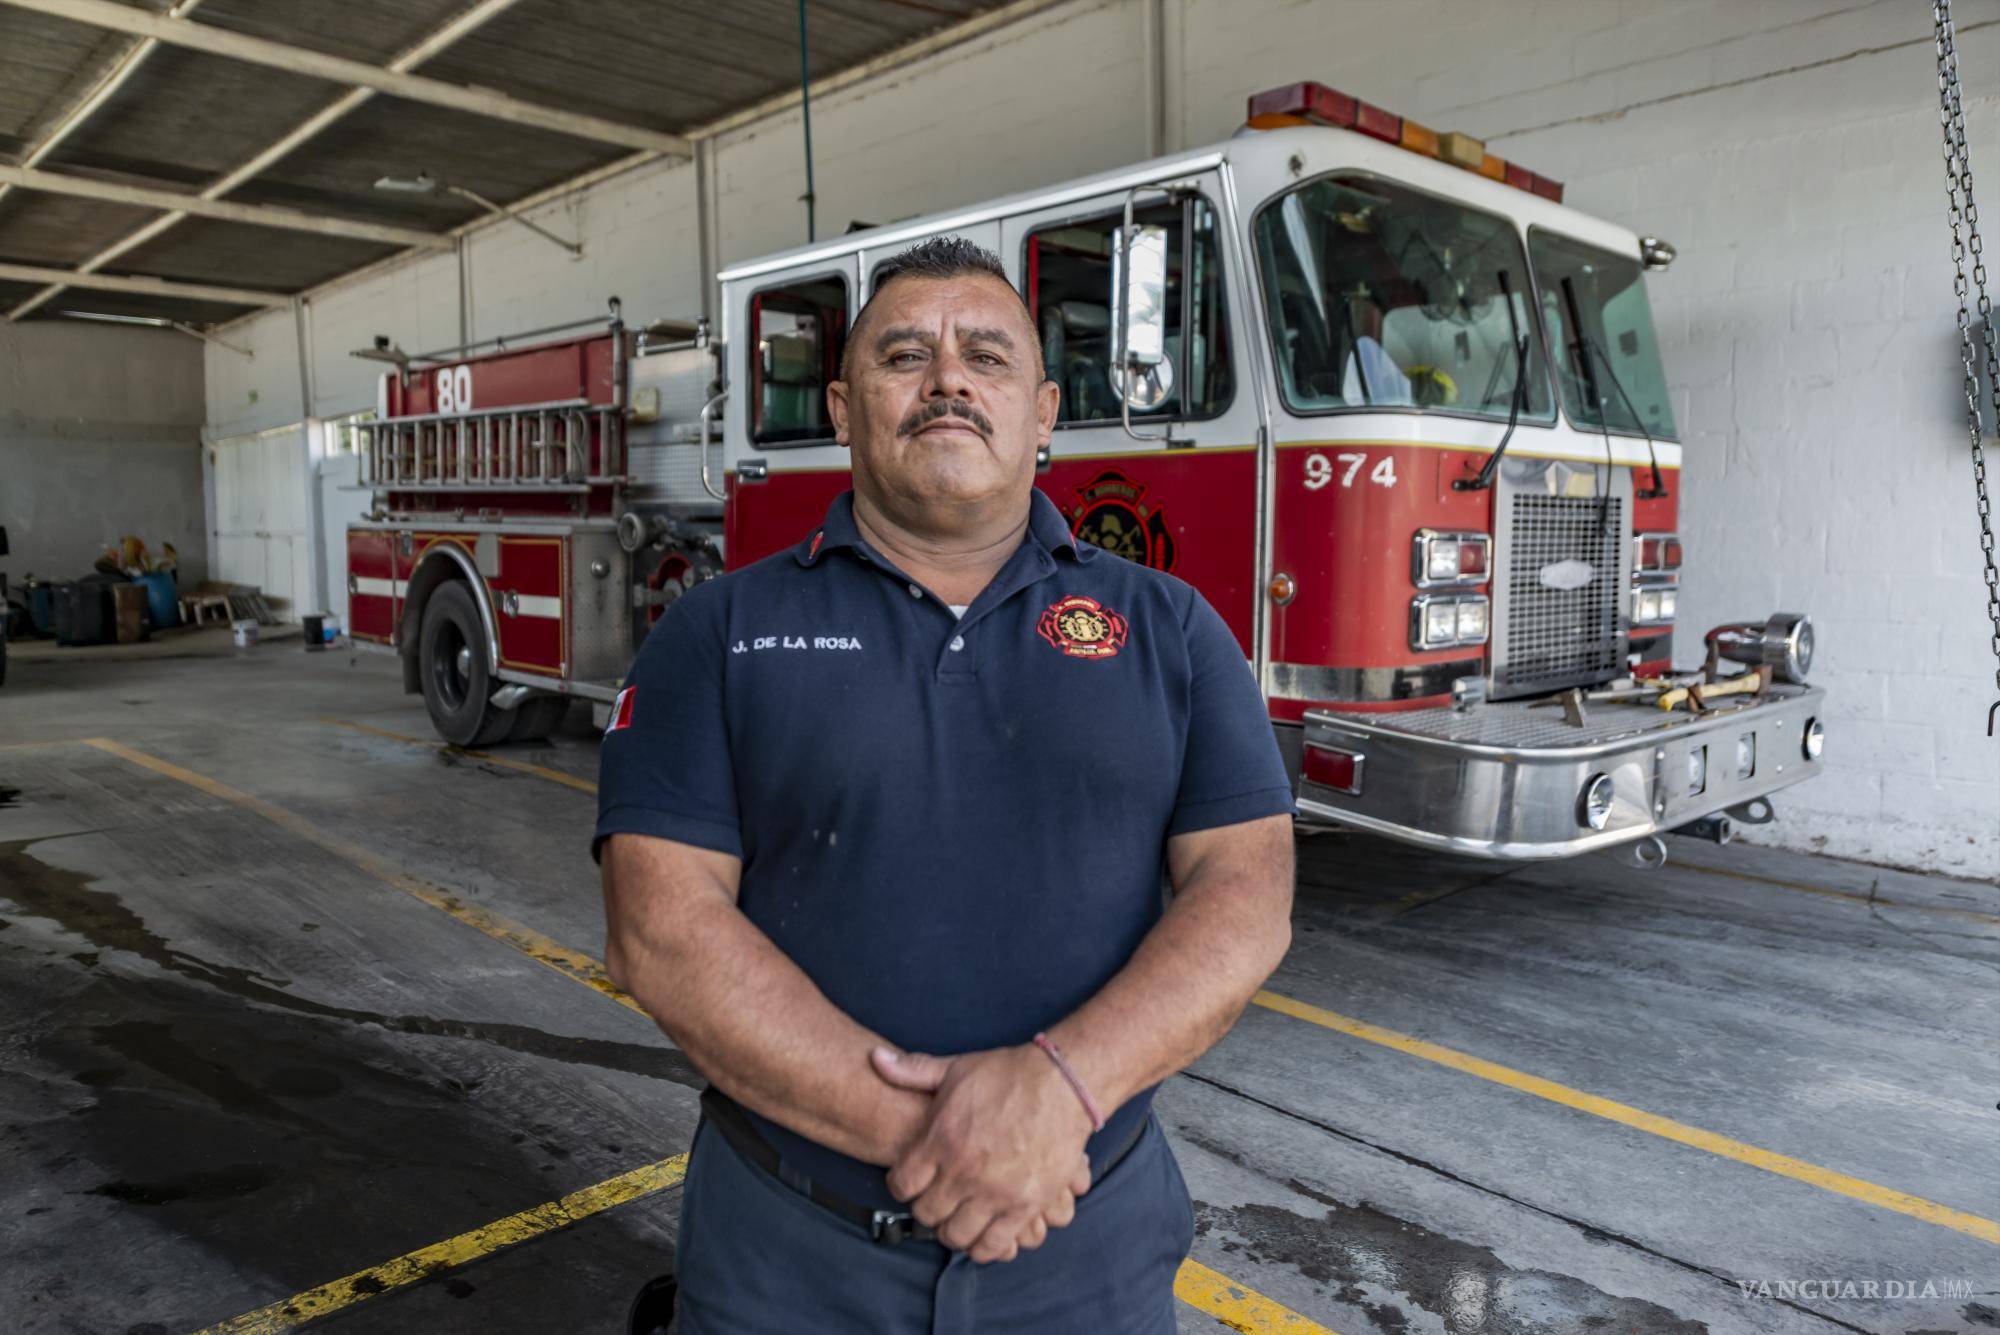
216	603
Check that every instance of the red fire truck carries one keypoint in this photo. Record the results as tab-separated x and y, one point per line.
1389	404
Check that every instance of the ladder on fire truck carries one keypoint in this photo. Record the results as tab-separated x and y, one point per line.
569	445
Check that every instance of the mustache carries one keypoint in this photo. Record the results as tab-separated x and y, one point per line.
937	408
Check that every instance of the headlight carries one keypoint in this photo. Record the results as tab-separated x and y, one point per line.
1438	558
1449	620
1441	623
1654	604
1815	739
1697	771
1594	807
1656	553
1746	755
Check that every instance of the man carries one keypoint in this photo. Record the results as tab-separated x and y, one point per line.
883	824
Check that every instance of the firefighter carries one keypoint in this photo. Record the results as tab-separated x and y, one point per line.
885	822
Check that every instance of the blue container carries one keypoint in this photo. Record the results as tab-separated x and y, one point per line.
42	609
163	605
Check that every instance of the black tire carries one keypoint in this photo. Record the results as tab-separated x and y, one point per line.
537	716
457	680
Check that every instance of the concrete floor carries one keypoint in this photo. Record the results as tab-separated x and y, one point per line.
243	1059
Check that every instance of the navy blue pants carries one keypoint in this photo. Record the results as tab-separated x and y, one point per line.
756	1258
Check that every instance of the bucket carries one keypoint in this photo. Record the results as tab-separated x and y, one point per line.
246	633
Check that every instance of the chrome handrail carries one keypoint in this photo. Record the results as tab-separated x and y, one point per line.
707	415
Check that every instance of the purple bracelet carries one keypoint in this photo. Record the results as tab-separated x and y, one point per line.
1048	1045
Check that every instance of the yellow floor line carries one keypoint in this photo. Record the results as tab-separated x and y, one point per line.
521	766
527	940
1233	1304
1236	1307
1829	892
1986	1230
464	1249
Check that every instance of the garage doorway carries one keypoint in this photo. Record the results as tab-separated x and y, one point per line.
261	521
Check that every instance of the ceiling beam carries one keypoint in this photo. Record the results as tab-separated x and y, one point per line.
972	29
110	81
467	22
151	287
256	215
218	41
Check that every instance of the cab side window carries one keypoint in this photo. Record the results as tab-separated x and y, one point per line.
1070	294
796	335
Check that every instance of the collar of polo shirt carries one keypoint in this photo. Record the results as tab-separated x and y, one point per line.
1046	526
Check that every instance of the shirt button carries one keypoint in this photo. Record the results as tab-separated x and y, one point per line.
957	643
916	592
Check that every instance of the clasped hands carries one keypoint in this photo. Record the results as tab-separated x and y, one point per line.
1000	1160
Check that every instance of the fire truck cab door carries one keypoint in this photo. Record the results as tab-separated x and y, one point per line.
1182	495
782	465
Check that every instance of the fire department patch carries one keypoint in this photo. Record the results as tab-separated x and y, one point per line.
1083	628
1111	513
621	710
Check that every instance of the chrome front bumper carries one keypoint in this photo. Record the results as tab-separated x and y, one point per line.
1506	780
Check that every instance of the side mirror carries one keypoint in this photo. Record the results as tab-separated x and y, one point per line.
1140	371
3	539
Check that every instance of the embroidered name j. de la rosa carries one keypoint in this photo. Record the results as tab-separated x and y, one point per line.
795	642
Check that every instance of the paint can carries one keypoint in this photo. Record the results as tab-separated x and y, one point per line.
246	633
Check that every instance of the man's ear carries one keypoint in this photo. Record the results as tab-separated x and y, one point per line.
836	408
1048	402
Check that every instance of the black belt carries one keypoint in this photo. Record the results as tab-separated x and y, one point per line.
885	1227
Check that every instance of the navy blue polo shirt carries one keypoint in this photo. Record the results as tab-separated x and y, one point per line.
956	827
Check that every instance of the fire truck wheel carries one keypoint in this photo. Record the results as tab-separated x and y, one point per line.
457	679
537	716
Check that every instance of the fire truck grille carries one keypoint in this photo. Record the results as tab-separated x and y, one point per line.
1557	636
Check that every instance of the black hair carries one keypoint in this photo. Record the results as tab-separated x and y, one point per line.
937	257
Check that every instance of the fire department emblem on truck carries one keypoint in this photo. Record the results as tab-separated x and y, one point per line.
1083	627
1111	513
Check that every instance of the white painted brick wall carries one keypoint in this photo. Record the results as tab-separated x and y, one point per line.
1790	150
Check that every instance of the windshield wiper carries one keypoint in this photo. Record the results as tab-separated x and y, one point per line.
1579	351
1520	342
1354	351
1658	489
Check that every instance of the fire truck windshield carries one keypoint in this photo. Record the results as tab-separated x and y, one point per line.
1381	296
1615	381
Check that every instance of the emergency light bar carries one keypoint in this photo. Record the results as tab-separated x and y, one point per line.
1316	104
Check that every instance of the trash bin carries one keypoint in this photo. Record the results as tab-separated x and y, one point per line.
163	604
82	612
41	606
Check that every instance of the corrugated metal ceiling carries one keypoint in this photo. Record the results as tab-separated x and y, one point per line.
185	118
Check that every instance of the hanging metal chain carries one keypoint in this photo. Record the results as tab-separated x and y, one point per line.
1965	241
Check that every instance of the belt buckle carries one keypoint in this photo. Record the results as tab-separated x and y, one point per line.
889	1227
